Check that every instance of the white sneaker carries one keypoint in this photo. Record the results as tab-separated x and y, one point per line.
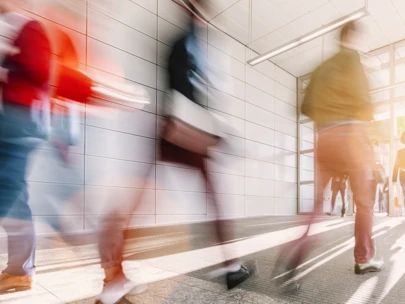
115	290
372	265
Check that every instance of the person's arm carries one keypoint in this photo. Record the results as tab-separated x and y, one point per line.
307	106
34	59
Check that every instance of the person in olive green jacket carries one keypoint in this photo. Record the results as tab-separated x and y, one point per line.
338	101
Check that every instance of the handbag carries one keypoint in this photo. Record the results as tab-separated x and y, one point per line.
191	126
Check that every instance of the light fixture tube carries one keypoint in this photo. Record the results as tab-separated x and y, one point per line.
120	96
308	37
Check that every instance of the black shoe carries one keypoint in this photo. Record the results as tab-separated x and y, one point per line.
120	301
233	279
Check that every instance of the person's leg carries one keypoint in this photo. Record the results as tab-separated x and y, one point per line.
16	218
362	192
347	149
223	228
236	273
359	161
380	199
21	247
342	194
403	193
111	245
324	176
111	234
334	196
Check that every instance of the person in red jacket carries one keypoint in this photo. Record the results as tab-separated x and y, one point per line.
24	124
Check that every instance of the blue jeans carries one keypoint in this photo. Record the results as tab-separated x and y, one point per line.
16	144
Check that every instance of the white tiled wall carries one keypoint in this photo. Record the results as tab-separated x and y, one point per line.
254	173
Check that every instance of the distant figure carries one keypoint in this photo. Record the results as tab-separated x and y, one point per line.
379	182
338	101
399	167
339	186
386	200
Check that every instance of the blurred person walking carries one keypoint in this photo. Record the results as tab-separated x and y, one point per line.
398	174
338	101
379	184
76	94
339	186
24	124
181	144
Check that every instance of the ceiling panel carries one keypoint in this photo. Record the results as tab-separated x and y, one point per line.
268	15
399	4
259	29
313	4
299	27
325	14
304	63
388	19
234	21
260	47
290	9
216	7
232	28
274	40
276	22
373	37
347	6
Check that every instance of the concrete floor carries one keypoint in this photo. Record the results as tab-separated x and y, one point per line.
175	260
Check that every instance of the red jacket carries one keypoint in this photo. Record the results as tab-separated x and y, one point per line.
29	70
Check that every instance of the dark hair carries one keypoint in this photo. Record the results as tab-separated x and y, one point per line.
346	29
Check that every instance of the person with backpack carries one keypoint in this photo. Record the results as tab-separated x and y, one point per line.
24	124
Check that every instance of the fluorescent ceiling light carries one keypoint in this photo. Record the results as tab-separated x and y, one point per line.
311	36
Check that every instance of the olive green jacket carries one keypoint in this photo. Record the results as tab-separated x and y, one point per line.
338	91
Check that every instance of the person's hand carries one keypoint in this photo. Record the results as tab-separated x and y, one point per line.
8	50
3	75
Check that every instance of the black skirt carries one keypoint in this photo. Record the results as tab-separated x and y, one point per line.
175	154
